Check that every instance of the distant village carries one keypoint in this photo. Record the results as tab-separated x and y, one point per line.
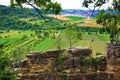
74	12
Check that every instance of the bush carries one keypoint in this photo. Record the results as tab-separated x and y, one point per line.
1	32
24	36
0	36
98	53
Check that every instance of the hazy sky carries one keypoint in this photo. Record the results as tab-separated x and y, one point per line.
66	4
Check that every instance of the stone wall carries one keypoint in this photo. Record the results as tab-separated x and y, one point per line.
113	50
66	76
77	65
113	58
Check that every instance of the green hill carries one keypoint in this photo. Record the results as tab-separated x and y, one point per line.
23	19
23	30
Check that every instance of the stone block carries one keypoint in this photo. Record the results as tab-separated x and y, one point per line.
34	54
51	54
100	76
80	51
68	63
24	77
33	76
24	63
46	76
75	76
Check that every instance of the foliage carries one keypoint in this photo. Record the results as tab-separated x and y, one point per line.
4	65
87	28
72	34
110	23
98	53
92	63
110	20
60	59
96	4
24	36
10	18
45	5
58	41
24	19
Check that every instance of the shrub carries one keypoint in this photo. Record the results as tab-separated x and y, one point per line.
24	36
98	53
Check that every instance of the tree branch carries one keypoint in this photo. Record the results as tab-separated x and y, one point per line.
93	11
28	3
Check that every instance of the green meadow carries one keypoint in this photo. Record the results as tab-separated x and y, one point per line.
27	41
75	18
24	33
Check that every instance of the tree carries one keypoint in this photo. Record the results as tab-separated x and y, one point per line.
58	42
110	23
109	20
72	34
45	5
93	5
4	65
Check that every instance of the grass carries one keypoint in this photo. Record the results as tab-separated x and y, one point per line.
75	18
14	39
104	37
95	41
14	36
42	46
36	22
97	46
10	33
33	43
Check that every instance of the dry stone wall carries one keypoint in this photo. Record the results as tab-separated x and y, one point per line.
65	76
51	65
113	56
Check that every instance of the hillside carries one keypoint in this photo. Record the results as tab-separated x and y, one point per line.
73	45
25	29
23	19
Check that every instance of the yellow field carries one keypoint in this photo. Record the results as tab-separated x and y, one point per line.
59	17
89	22
12	32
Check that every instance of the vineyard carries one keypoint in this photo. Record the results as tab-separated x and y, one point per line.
22	41
50	42
28	32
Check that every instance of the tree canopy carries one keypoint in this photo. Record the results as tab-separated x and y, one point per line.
45	5
97	4
109	20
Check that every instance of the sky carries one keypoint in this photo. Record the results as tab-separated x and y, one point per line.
66	4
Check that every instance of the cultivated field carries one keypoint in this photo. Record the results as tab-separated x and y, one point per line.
59	17
23	41
78	20
26	41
